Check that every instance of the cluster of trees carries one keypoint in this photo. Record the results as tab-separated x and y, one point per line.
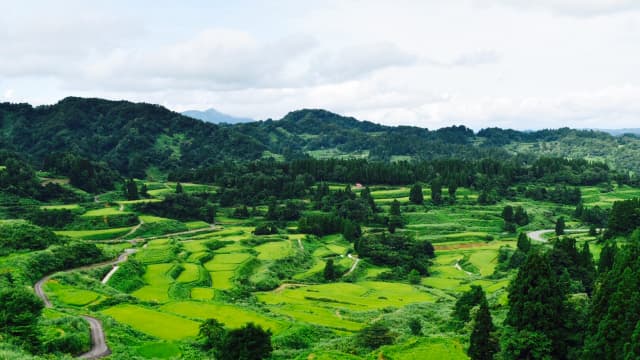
321	224
90	176
559	194
71	219
17	178
398	250
513	218
249	342
24	236
182	206
595	215
623	218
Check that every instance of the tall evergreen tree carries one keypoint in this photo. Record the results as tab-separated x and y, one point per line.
415	195
560	225
453	188
615	309
507	214
436	192
537	303
524	243
482	344
365	195
607	257
179	189
329	271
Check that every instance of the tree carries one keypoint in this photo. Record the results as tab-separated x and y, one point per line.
466	302
453	188
537	303
179	189
414	277
394	210
520	216
607	257
20	310
329	271
415	195
560	226
365	195
212	334
374	336
250	342
507	214
131	190
482	345
144	191
436	192
415	326
524	243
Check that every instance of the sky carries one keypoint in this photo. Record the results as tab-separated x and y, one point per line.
481	63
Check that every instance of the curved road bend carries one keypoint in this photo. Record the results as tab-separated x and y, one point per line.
99	346
537	235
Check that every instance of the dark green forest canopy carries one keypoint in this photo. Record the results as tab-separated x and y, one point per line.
132	137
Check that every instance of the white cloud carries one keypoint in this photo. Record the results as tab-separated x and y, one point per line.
577	8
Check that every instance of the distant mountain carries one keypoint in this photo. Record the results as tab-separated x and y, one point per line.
215	116
619	132
132	138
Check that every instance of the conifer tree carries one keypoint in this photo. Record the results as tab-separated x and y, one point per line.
329	271
436	192
524	243
537	303
415	195
560	226
482	344
179	189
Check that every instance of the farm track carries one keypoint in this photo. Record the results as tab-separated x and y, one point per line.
99	346
353	267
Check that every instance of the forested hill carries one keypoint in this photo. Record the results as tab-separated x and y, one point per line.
134	137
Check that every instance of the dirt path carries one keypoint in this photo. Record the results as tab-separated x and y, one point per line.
284	286
99	346
300	244
353	267
457	266
139	239
133	230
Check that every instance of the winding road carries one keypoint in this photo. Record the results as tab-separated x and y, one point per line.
99	346
538	234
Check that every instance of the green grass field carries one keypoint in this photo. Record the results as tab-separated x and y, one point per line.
70	295
158	282
274	250
155	323
231	316
95	234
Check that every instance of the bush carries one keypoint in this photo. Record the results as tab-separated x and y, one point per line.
20	235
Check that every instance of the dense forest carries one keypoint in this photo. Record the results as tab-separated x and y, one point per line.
134	139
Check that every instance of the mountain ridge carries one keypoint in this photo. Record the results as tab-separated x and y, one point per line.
134	137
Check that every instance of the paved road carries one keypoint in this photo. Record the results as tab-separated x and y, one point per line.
537	235
99	346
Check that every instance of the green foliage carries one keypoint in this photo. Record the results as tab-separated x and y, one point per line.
19	313
482	344
524	243
180	206
250	342
397	250
615	310
128	278
329	272
436	192
212	334
415	195
374	336
414	277
537	303
474	297
24	236
560	226
624	218
415	326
